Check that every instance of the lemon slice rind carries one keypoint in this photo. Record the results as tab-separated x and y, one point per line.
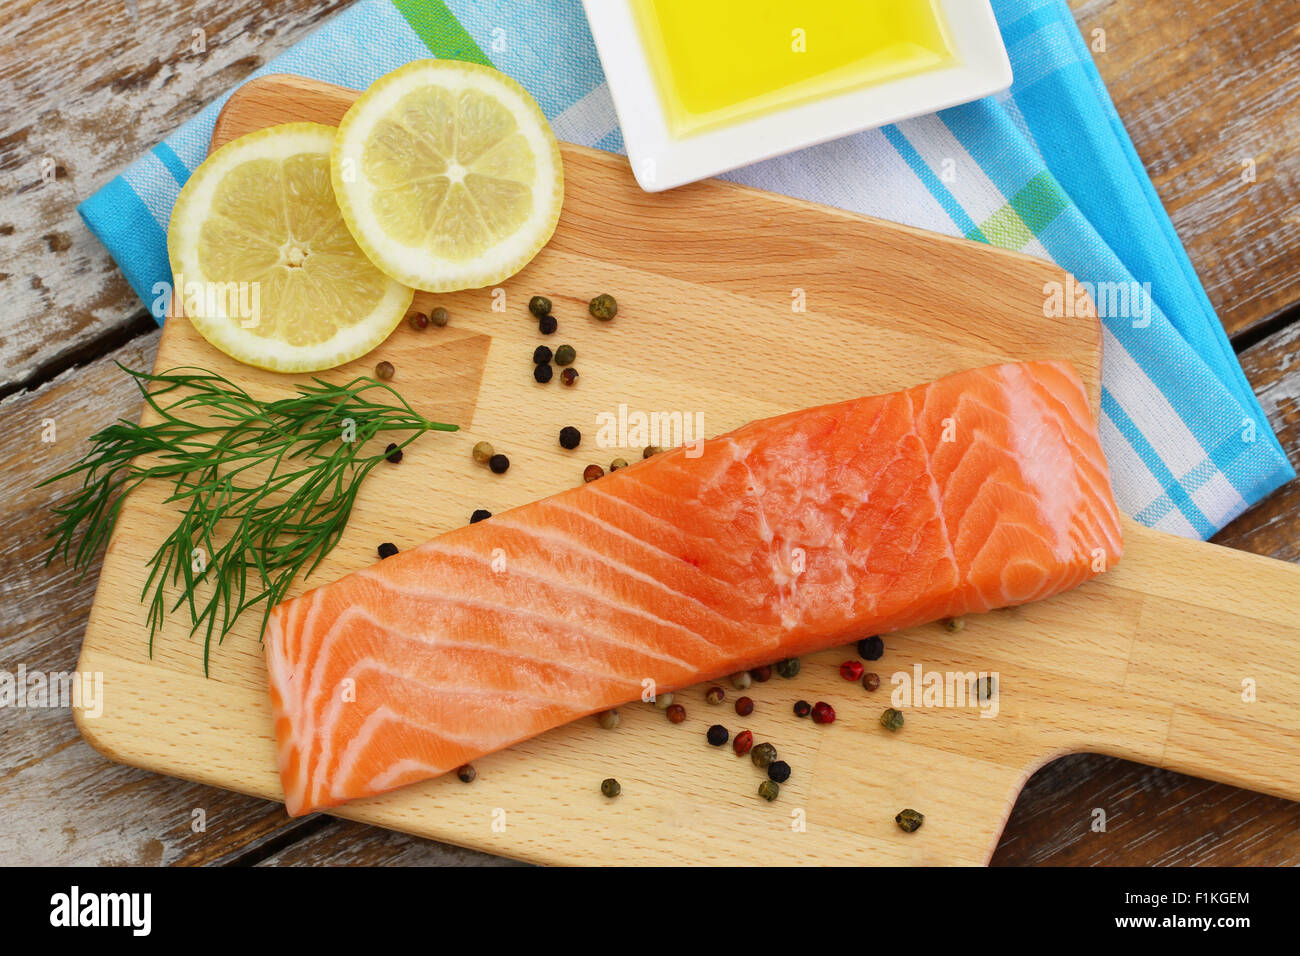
415	264
194	206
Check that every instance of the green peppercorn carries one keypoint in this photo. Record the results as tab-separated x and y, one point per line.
954	624
610	787
569	377
891	719
499	464
483	452
769	790
467	773
778	771
909	821
617	463
570	437
565	355
539	305
439	317
664	701
592	472
715	695
788	668
741	681
418	321
384	371
608	719
603	307
763	755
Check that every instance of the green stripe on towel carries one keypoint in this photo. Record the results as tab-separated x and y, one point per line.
440	30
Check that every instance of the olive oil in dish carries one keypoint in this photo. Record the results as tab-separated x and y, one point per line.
721	61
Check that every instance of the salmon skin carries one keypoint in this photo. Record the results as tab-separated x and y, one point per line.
789	535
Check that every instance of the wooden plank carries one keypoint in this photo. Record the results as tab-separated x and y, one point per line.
70	804
93	88
1203	86
89	88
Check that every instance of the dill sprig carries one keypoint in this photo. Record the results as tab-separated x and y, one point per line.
262	489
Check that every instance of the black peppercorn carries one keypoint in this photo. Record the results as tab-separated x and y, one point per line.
570	437
718	735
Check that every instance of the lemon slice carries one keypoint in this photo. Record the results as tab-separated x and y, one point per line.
264	265
448	175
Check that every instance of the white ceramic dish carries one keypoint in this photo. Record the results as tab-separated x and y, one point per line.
661	161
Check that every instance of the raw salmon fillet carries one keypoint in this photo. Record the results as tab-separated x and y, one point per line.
985	489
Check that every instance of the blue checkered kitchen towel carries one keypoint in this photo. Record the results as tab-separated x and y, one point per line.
1046	169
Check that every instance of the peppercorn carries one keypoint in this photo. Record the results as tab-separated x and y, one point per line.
617	463
541	355
871	648
483	452
954	624
762	674
393	453
769	790
909	821
539	305
570	437
610	787
891	719
823	713
439	316
744	706
569	377
603	307
543	373
480	514
741	681
592	472
467	773
650	450
717	735
608	719
788	668
565	355
802	708
743	742
547	324
763	755
778	771
871	680
851	670
715	695
499	464
676	713
384	371
387	549
418	321
664	701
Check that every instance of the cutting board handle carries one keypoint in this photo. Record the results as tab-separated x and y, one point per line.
1215	658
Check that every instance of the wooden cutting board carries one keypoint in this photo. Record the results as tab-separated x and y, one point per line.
1148	662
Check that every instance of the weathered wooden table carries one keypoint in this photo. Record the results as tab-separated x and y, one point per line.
1203	86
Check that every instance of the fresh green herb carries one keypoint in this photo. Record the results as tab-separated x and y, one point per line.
264	488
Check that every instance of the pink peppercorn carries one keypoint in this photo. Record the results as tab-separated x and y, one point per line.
676	713
851	670
823	713
743	742
744	706
762	674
